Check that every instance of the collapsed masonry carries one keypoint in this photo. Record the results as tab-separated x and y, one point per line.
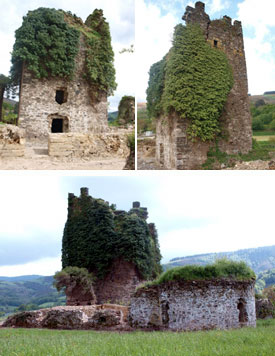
174	148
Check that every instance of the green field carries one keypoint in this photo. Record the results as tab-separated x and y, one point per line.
241	342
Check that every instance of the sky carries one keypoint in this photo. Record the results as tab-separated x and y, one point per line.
194	213
119	13
159	17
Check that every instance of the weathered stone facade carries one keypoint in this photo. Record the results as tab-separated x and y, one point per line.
194	305
61	105
12	141
174	150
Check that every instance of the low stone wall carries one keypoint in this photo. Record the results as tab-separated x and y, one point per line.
12	141
194	305
88	145
69	317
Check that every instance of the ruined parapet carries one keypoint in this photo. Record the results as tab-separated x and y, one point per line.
12	141
174	148
139	211
194	305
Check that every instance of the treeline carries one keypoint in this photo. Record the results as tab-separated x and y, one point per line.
28	295
263	116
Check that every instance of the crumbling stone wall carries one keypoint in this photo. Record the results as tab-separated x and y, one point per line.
119	284
80	113
194	305
88	145
12	141
174	150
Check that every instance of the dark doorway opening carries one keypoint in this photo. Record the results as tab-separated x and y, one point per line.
57	125
215	43
243	317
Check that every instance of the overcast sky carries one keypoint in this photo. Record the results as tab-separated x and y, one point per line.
119	13
194	213
155	25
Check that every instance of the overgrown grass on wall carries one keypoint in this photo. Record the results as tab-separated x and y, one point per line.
222	268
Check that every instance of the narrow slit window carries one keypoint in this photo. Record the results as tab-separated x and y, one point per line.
215	43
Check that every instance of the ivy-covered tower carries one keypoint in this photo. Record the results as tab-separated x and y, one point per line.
120	248
65	71
199	92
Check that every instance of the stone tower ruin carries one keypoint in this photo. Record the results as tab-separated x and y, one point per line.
120	248
63	104
174	150
56	105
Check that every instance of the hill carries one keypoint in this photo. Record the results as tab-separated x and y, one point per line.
259	259
20	278
35	290
269	99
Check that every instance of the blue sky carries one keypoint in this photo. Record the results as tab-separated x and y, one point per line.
193	213
159	18
120	15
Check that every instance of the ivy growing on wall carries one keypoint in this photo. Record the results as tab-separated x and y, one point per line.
155	88
194	81
94	237
48	43
100	55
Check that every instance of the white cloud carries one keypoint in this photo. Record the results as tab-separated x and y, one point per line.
153	41
218	5
44	267
35	204
260	49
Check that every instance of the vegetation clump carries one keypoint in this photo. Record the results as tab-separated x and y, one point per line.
78	277
192	80
48	42
222	268
126	110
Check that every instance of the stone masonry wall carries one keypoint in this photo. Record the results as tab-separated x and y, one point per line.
119	284
173	148
194	305
38	106
88	145
12	141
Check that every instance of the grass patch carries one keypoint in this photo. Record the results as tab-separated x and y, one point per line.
261	150
263	133
241	342
222	268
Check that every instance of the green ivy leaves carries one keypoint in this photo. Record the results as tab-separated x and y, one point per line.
193	80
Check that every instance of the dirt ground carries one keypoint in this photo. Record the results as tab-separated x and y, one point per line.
36	158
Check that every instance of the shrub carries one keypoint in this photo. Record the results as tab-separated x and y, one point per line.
73	276
257	124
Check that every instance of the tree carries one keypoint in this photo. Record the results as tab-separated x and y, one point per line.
4	86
